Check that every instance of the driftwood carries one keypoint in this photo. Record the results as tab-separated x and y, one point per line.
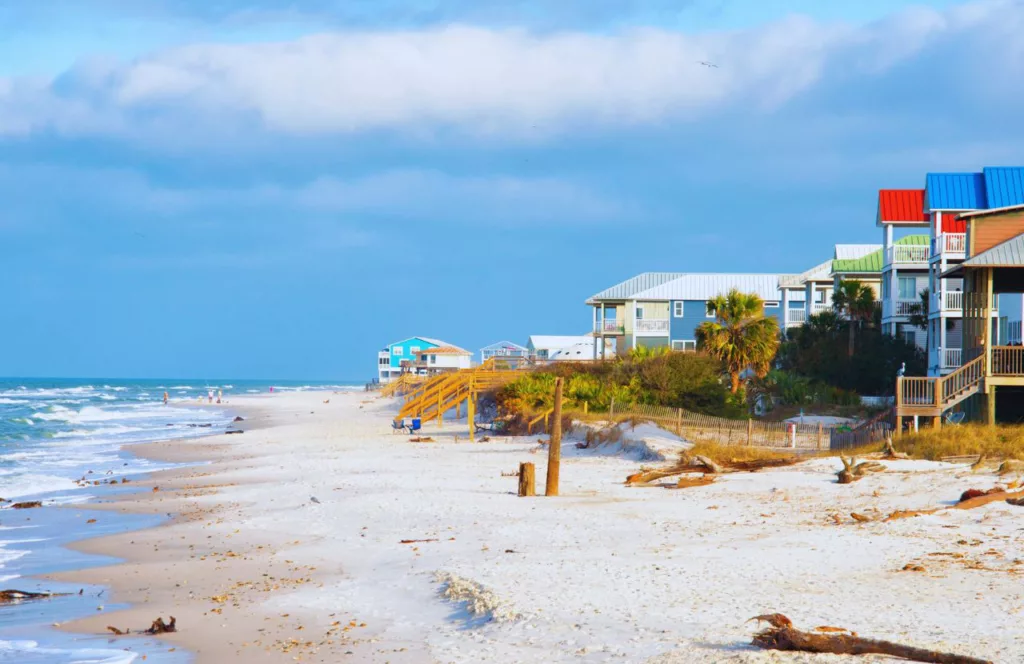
160	627
1016	502
28	504
15	596
421	439
783	636
889	452
754	465
117	632
985	499
853	471
688	482
416	541
1011	466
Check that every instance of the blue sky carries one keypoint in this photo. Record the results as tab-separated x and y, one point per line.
245	189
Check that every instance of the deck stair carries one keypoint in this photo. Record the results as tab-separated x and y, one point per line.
933	396
441	393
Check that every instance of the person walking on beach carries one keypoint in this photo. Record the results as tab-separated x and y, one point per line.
209	396
220	394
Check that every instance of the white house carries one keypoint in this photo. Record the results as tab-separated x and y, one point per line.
544	347
503	349
442	359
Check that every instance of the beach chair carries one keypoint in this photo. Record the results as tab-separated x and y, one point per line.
494	426
409	426
955	417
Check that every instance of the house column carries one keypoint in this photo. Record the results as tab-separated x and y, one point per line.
942	342
598	332
604	342
987	325
785	310
632	315
809	299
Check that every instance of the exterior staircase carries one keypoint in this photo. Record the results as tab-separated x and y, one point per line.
430	400
933	396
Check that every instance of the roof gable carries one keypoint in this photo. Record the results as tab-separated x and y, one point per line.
427	340
854	251
629	287
707	286
901	206
498	345
1008	253
1004	186
955	191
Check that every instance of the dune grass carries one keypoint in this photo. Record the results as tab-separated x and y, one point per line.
1002	442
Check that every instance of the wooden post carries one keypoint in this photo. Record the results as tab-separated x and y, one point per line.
611	409
679	422
750	430
555	444
990	405
470	416
458	405
527	483
585	404
898	405
820	432
440	415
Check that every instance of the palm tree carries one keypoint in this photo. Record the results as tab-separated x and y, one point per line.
644	353
740	336
919	312
855	301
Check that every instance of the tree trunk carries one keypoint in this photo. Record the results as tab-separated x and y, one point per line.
734	378
849	349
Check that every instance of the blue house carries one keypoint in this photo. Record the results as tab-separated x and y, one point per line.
665	309
400	357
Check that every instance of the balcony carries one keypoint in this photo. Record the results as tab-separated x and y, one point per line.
891	308
952	358
652	326
609	326
948	301
796	317
906	253
818	307
951	245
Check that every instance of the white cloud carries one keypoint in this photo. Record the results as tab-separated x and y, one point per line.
490	81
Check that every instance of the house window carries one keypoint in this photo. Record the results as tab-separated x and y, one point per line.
909	334
677	309
399	351
819	296
709	310
433	359
639	313
686	345
413	350
908	288
771	304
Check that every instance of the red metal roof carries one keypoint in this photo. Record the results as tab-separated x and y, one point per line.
901	205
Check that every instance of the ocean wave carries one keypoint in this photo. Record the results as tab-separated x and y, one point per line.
30	652
9	401
19	486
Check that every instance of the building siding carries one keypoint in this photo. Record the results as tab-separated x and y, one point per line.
406	348
684	328
987	232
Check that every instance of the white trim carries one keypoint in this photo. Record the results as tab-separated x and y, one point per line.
678	309
771	304
399	351
682	345
707	310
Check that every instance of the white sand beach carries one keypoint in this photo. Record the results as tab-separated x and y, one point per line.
254	570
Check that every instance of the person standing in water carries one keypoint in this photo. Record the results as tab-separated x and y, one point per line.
220	394
165	398
209	396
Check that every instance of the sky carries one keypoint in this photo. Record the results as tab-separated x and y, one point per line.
277	189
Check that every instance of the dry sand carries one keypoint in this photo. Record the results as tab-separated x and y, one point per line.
255	571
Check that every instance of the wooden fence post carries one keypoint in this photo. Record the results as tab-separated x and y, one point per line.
555	444
527	483
679	422
585	405
750	430
611	409
819	435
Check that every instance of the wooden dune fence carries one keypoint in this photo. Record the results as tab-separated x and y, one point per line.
875	430
722	431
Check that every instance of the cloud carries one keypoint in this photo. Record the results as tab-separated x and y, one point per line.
493	82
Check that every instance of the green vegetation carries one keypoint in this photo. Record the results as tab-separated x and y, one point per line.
856	302
692	381
740	336
785	388
818	351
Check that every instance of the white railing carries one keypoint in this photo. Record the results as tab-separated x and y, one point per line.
818	307
952	358
652	325
952	244
796	316
950	301
899	307
906	253
609	325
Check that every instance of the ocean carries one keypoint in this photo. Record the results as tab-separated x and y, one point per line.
57	437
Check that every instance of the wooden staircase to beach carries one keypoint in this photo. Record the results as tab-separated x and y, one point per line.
933	396
441	393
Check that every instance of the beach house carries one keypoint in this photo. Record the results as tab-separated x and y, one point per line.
662	309
992	267
858	262
403	356
545	347
503	349
807	293
441	359
904	276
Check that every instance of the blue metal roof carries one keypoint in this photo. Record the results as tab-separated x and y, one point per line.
1005	186
955	191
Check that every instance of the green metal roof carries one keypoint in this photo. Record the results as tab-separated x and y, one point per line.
873	262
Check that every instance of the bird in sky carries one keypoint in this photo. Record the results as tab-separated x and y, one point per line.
708	64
